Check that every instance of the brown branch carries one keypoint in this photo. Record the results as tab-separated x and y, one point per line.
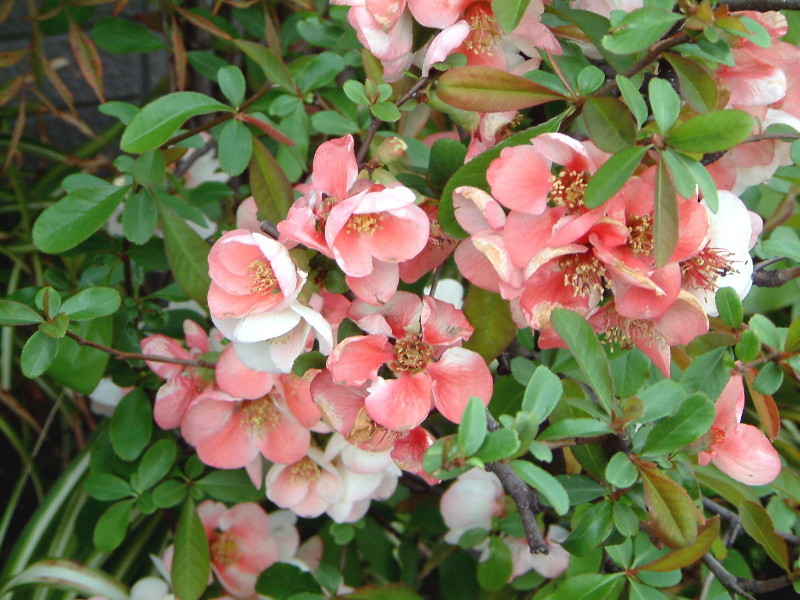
375	124
761	5
772	136
525	497
270	229
777	278
728	580
734	519
122	355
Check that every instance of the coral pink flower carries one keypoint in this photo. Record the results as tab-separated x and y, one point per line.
428	366
549	565
250	274
307	487
240	544
239	381
741	451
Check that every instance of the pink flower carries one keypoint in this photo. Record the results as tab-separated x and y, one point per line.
549	565
429	367
741	451
241	544
471	502
307	487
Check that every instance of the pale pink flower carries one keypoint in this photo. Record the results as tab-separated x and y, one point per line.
247	216
241	545
549	565
306	487
741	451
605	7
471	502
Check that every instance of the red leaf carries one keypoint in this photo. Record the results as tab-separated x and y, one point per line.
204	24
765	406
486	89
88	59
178	55
268	129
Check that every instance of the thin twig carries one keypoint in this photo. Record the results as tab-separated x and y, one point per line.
772	136
777	278
762	5
122	355
728	580
270	229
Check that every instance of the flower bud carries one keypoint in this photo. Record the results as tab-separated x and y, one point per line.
391	149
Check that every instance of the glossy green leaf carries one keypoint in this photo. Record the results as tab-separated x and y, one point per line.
124	36
693	418
596	586
633	98
612	175
81	367
490	315
385	111
748	346
495	571
665	226
638	30
472	429
758	525
235	147
139	217
283	581
708	188
229	486
309	360
158	120
57	327
190	565
673	514
707	373
609	123
640	591
92	303
541	481
15	313
131	425
75	217
498	445
684	557
156	463
791	344
271	189
593	527
590	79
487	89
169	493
682	176
38	354
110	529
187	254
107	487
508	13
588	353
620	471
270	63
712	132
149	169
447	157
696	83
769	378
730	307
542	394
665	103
232	84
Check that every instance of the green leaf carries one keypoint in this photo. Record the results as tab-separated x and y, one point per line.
696	83
472	429
715	480
707	373
385	111
678	559
354	90
590	79
588	353
331	122
749	346
123	36
92	303
57	327
498	445
232	84
712	132
187	254
81	367
592	529
156	463
673	513
638	30
235	147
613	174
158	120
708	188
490	315
486	89
447	157
270	63
75	217
190	565
640	591
758	525
508	13
609	123
139	217
283	581
229	486
730	307
169	493
769	378
542	394
391	591
665	225
665	103
693	418
105	486
124	111
14	313
682	177
620	471
38	354
791	344
309	360
271	189
68	575
579	427
131	425
149	169
547	485
496	570
109	531
633	98
590	585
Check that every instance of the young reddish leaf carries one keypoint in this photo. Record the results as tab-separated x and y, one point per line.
697	85
88	59
677	559
486	89
673	514
665	226
758	525
490	315
765	406
271	131
204	24
8	59
56	81
609	122
179	56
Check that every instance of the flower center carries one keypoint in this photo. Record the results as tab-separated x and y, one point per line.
484	32
702	270
304	471
411	354
584	274
223	549
568	189
621	332
640	238
262	277
367	223
364	428
323	210
259	416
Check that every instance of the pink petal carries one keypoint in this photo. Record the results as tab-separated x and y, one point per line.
747	455
459	375
379	286
520	179
443	323
476	210
358	358
236	379
401	403
335	168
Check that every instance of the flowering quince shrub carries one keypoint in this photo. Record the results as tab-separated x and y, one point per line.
404	299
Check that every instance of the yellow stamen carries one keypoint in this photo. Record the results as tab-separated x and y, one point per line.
367	223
